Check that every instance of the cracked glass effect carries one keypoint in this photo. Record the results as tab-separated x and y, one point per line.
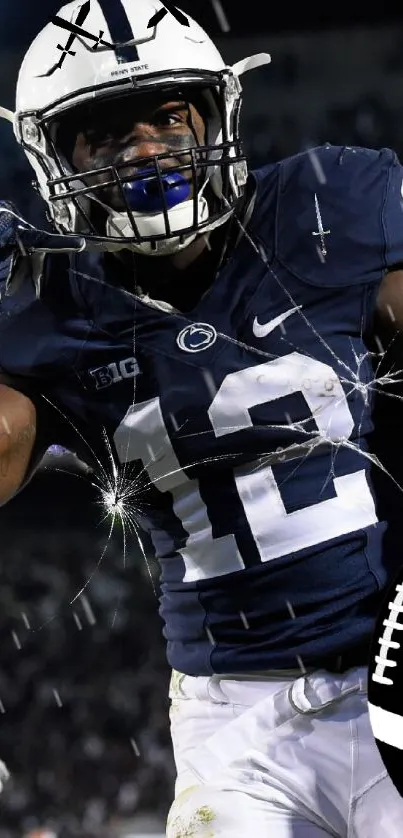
122	497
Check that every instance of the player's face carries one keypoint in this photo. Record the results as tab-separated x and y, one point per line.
124	131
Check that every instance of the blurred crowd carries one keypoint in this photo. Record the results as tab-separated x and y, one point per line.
83	679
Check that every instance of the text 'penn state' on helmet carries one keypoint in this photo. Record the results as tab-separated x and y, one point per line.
164	204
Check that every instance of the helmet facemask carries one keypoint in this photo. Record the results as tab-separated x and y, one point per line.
166	200
136	58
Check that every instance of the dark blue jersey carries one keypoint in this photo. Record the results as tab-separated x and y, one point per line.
243	426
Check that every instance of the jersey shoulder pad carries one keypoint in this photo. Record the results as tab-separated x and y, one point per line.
339	215
263	215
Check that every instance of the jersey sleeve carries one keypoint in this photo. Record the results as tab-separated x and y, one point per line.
40	338
39	343
339	216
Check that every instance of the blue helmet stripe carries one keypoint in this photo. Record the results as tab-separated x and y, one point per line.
119	28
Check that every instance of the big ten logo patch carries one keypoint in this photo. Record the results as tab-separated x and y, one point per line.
114	373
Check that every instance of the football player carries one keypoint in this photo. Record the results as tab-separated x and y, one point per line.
211	327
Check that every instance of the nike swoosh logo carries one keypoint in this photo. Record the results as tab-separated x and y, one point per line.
260	330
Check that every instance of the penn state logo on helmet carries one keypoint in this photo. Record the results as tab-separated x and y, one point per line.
196	337
385	683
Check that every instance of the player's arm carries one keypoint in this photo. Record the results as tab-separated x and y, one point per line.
389	305
389	300
27	425
387	329
18	423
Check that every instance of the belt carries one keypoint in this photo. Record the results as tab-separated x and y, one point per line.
351	658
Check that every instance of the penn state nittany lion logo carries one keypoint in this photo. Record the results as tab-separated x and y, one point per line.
196	337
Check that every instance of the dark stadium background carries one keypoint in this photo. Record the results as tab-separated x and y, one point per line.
83	686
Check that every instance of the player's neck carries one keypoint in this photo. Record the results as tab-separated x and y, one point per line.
184	258
180	279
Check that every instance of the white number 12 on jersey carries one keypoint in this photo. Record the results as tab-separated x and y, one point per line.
142	435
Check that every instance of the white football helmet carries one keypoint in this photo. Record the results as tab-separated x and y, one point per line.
126	57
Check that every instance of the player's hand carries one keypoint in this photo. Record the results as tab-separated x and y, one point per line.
23	248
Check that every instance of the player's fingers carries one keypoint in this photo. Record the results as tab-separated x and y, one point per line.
44	242
9	220
16	232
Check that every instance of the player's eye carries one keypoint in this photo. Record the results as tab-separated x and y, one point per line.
169	118
98	135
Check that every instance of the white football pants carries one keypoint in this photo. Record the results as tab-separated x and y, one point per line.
269	758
